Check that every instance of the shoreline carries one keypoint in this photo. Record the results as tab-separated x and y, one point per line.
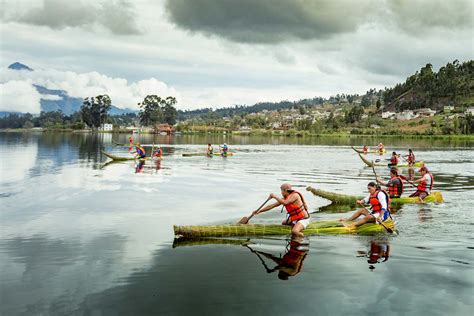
258	133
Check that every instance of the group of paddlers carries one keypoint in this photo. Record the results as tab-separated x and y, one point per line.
139	151
224	150
378	200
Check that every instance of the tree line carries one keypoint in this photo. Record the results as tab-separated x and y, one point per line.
94	112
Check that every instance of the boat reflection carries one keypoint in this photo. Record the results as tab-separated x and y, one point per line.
288	265
378	251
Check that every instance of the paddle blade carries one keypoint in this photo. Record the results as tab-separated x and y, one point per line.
243	220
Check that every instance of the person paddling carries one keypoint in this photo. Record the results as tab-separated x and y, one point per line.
425	184
379	203
158	153
381	148
210	150
394	185
296	207
393	160
140	151
365	150
130	140
224	150
410	158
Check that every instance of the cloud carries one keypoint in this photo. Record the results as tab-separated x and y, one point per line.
18	93
423	15
19	96
275	21
116	16
268	21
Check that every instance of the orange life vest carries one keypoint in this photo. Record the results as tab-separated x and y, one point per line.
296	212
375	203
422	185
394	189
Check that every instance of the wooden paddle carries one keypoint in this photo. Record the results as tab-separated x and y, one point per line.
245	220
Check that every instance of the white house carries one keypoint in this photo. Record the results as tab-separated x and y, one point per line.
426	112
448	108
388	114
470	110
406	115
106	127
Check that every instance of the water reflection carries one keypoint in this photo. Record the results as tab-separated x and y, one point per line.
378	251
290	264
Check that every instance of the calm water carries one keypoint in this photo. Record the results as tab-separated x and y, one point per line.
81	237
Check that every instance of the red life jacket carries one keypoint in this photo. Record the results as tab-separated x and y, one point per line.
296	212
366	149
395	190
394	160
411	158
375	203
422	185
158	153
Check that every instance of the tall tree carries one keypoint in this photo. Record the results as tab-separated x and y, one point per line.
94	110
154	110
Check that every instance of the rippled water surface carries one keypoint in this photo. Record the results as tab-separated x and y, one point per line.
80	236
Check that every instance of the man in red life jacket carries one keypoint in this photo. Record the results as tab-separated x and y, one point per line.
365	150
410	157
130	140
425	184
379	202
296	207
158	153
393	160
394	185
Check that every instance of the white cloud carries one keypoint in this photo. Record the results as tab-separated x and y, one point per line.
18	90
19	96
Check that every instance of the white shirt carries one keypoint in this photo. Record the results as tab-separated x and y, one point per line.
382	200
428	182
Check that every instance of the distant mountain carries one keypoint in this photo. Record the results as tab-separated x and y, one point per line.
68	105
19	66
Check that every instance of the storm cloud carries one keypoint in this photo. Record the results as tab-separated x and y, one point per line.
116	16
269	21
275	21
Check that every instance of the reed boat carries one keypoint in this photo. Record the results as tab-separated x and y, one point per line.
376	152
434	197
122	158
372	164
314	228
205	154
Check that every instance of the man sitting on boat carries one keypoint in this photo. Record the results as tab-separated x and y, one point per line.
210	150
425	184
393	160
394	185
379	204
381	148
410	158
130	140
140	152
224	149
365	149
296	207
158	153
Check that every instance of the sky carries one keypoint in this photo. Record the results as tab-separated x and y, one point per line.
210	53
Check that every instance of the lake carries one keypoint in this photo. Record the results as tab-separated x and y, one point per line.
80	236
